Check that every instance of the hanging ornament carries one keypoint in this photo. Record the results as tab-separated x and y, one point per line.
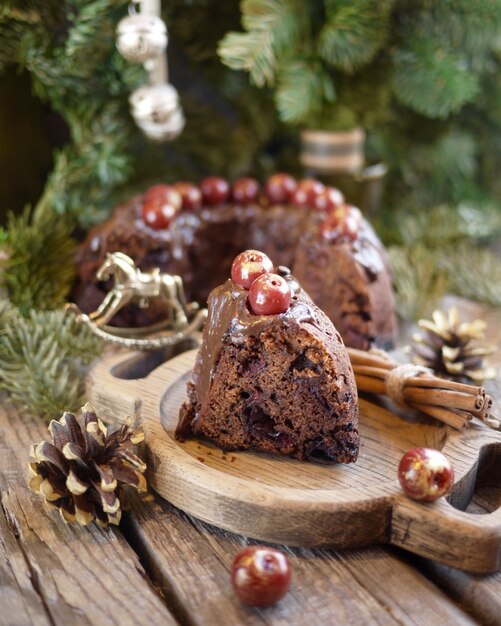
156	110
141	37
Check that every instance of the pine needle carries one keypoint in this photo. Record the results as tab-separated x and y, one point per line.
42	360
39	267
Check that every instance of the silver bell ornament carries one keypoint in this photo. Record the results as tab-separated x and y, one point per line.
154	103
167	130
141	37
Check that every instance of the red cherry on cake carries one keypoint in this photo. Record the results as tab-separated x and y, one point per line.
425	474
245	190
328	200
191	195
164	194
160	205
248	265
215	190
279	188
307	192
260	576
269	294
342	222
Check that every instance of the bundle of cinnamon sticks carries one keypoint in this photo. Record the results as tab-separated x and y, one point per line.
448	401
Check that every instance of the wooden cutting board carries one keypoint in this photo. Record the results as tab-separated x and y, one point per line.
285	501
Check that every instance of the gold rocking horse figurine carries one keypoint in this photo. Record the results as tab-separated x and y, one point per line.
133	285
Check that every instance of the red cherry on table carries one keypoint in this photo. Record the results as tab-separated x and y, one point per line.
245	190
279	188
164	194
260	575
248	265
425	474
307	192
190	194
214	190
328	200
269	294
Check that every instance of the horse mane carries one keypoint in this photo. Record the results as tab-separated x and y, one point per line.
121	257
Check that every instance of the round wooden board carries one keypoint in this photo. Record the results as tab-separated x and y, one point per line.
281	500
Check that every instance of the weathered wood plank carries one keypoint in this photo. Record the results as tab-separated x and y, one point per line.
25	606
59	574
191	561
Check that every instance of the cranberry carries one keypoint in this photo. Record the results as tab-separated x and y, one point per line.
342	222
190	195
329	199
164	194
307	192
248	265
215	190
269	294
245	190
260	575
425	474
279	188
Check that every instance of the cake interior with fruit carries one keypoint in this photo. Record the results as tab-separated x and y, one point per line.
272	373
195	231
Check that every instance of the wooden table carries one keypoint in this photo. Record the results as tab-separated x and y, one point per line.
162	567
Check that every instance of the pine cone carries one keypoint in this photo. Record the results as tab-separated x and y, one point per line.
82	472
449	348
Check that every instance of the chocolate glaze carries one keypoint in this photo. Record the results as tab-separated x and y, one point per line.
230	320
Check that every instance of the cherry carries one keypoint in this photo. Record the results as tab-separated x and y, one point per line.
164	194
190	195
279	188
215	190
425	474
248	265
245	190
260	575
307	192
269	294
160	205
329	199
342	222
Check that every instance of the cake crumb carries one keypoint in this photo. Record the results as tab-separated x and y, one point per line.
233	458
201	459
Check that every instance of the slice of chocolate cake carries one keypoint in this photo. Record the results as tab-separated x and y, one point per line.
272	374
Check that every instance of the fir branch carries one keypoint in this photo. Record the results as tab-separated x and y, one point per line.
445	226
434	81
39	269
418	282
42	360
473	272
274	30
301	92
354	32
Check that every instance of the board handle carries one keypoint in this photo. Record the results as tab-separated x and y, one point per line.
443	533
121	384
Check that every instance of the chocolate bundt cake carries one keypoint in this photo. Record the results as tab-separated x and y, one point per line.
196	231
272	373
344	268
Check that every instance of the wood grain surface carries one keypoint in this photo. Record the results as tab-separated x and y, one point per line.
52	573
281	500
